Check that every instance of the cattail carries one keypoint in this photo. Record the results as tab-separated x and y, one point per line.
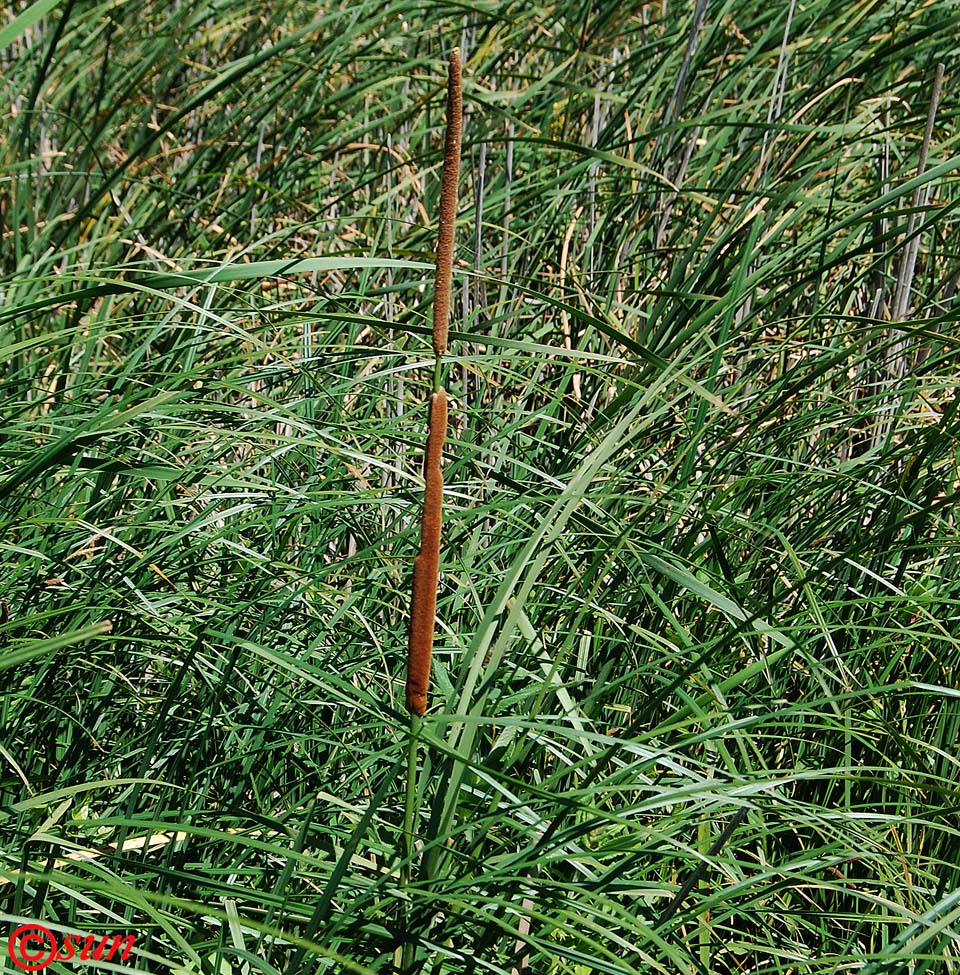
426	567
448	205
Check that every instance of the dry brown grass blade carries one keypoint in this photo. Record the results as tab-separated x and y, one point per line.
448	205
426	567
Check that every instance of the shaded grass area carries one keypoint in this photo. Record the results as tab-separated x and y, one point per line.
694	702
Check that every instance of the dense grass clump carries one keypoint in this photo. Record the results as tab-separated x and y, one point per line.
694	700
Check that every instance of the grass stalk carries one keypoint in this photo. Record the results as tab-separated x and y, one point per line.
409	813
921	194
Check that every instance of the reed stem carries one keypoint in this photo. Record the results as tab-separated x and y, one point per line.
409	951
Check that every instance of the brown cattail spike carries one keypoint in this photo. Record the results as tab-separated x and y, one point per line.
448	205
426	567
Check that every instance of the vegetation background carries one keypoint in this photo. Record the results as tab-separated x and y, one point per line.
695	703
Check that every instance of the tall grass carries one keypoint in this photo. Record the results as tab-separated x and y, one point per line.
695	705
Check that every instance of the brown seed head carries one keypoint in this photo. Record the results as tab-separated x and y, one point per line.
426	567
448	205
